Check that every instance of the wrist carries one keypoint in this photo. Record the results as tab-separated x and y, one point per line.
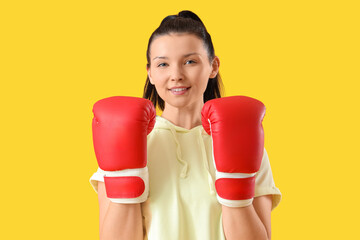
235	189
128	186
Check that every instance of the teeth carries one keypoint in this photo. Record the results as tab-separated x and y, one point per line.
178	89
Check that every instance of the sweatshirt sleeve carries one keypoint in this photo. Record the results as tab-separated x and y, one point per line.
96	177
264	182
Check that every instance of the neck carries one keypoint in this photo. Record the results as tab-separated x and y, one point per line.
185	117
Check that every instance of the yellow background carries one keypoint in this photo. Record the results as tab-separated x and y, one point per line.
301	58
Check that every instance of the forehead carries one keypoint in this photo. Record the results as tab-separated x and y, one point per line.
176	45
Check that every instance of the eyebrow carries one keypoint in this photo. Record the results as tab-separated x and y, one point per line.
186	55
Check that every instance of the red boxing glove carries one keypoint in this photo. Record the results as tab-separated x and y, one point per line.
235	125
120	127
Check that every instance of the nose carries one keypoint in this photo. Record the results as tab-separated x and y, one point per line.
176	73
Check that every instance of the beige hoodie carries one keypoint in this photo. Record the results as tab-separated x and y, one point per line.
182	201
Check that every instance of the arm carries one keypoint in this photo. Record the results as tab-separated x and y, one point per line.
235	125
120	127
118	221
255	220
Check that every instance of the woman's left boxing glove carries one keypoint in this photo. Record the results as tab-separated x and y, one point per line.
235	125
120	127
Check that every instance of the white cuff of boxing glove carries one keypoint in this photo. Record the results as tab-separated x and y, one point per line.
137	172
234	203
233	175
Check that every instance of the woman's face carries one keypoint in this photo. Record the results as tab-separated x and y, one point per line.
180	69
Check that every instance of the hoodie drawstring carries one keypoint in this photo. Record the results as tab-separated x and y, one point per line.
178	155
184	171
206	164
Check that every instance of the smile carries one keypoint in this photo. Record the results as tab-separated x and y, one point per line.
179	91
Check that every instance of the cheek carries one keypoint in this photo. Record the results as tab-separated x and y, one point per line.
202	78
204	85
203	71
158	80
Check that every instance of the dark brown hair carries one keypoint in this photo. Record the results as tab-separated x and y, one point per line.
184	22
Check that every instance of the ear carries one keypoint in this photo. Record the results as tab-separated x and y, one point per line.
215	67
149	74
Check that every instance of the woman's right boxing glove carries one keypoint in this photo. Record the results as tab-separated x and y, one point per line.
120	127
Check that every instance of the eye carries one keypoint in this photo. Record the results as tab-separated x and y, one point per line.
190	61
161	64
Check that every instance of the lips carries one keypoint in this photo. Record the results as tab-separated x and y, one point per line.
179	90
177	87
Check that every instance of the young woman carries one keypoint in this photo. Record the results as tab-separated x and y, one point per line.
174	195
